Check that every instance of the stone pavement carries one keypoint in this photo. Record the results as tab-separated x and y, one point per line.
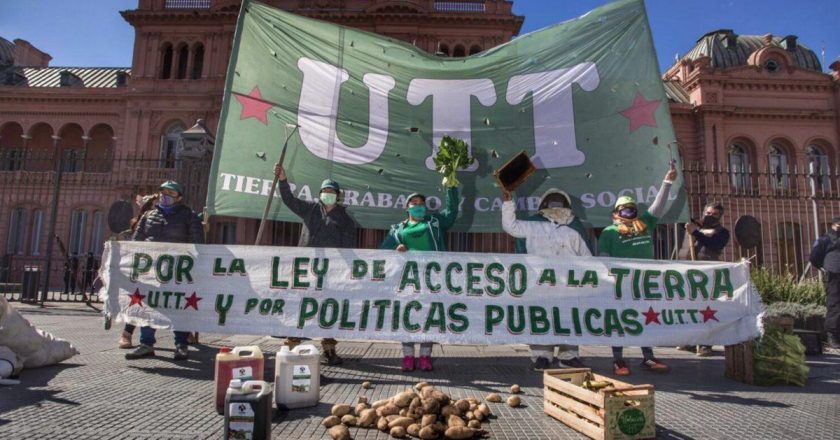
100	395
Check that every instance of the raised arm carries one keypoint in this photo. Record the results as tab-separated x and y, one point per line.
447	216
510	224
657	208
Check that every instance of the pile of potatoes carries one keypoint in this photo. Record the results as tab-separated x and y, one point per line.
422	412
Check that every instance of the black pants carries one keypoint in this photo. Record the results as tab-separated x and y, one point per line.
832	304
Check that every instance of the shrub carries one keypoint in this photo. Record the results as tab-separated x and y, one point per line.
800	312
775	288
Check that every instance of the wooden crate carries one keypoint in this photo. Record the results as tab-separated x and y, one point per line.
739	357
602	415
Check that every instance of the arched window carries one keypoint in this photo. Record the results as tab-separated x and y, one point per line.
17	232
37	224
11	147
96	231
818	167
169	145
777	163
443	50
183	57
76	238
475	49
458	52
166	62
739	167
198	61
72	147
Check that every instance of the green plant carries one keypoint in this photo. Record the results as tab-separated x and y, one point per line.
775	288
453	155
795	310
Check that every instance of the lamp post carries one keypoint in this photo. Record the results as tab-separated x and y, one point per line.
59	167
195	147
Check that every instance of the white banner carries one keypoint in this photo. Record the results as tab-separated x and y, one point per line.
428	296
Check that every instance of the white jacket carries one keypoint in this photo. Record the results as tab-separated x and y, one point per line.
544	238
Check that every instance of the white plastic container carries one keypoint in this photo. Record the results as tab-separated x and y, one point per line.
297	377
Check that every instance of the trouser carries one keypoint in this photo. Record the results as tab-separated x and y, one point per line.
618	353
129	329
832	304
425	348
147	337
547	351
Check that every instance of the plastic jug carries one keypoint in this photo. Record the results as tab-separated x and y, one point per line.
248	410
297	377
243	363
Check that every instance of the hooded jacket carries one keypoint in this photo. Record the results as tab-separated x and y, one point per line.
541	236
438	223
178	224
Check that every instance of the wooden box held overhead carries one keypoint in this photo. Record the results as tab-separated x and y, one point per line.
515	171
620	411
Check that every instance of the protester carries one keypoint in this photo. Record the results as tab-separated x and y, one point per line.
825	255
710	237
91	266
326	223
146	203
422	231
71	269
550	234
630	237
169	221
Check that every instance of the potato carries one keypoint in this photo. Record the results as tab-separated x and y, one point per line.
514	389
413	430
380	403
367	418
484	410
392	417
439	427
340	410
430	406
493	397
474	424
449	410
428	420
387	410
462	405
420	385
478	415
366	385
349	420
459	433
514	401
473	399
363	399
404	412
360	407
339	432
454	420
428	433
331	421
415	403
402	400
469	416
440	396
398	432
402	421
382	424
473	406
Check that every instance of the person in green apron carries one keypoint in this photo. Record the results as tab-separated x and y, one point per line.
630	237
422	231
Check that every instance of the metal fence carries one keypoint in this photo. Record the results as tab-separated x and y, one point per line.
66	203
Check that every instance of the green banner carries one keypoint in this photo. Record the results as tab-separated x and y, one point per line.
583	98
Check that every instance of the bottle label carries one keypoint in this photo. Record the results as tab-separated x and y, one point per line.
242	373
241	422
301	379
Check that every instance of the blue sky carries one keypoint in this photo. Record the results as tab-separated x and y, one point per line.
92	33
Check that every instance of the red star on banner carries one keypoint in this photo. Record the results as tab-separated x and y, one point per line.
192	301
651	316
136	298
641	112
709	314
253	106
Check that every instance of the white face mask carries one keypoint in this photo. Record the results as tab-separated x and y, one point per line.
328	198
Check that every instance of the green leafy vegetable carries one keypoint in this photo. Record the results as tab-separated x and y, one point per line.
453	155
779	357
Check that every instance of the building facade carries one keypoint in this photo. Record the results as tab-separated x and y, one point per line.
751	114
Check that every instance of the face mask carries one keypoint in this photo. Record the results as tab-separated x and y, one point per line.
709	221
166	201
417	211
329	198
628	213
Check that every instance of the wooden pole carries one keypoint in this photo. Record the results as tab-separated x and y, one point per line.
274	185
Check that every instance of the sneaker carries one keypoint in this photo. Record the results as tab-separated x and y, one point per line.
685	348
125	340
426	363
140	352
331	358
408	363
654	365
620	368
704	351
574	362
541	364
181	353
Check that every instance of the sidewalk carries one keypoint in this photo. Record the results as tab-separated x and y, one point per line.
100	395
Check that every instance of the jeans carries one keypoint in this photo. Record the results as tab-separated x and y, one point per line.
618	353
147	337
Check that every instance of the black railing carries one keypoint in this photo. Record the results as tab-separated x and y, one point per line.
187	4
460	6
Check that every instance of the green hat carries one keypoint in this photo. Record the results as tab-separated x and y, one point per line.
173	185
329	183
413	195
624	200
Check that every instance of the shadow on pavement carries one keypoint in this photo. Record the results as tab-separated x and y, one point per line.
27	393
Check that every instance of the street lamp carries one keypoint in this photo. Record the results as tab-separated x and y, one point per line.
194	150
196	142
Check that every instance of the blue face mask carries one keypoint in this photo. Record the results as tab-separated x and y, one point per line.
417	211
166	201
